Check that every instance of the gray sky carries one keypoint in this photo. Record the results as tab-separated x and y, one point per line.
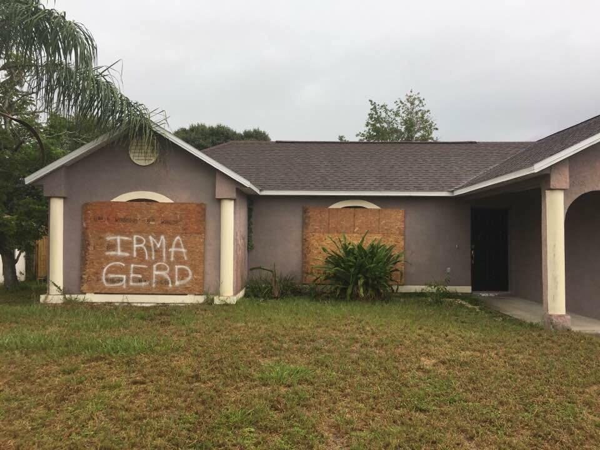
304	69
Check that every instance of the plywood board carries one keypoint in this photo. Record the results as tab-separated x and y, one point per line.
143	248
323	226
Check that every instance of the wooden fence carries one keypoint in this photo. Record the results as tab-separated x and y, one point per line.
40	259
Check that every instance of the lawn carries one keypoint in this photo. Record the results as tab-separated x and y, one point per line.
291	374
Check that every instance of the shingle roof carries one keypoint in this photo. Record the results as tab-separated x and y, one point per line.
361	166
541	150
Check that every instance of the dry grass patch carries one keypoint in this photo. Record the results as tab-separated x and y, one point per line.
292	374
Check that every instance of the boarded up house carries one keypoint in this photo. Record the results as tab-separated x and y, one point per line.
172	227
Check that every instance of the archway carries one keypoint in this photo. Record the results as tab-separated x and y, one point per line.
582	251
142	196
354	204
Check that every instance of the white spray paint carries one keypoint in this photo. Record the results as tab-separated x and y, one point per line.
152	250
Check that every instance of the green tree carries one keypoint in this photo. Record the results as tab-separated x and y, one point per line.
49	68
22	208
407	120
203	136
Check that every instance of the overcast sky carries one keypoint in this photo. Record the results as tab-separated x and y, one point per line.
304	69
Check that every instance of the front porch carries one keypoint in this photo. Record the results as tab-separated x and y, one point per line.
533	312
538	240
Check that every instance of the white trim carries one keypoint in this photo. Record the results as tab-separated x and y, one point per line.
227	247
133	299
142	299
90	147
536	168
55	245
417	288
555	251
360	193
497	180
230	300
142	195
566	153
69	159
207	159
354	204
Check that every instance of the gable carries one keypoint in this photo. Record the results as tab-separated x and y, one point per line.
104	141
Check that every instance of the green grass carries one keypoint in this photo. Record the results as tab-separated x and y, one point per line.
291	374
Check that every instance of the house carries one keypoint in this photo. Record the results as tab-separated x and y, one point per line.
20	268
131	225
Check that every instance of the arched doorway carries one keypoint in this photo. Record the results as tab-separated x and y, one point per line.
582	249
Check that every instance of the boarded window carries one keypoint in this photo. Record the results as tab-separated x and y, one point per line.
322	223
143	248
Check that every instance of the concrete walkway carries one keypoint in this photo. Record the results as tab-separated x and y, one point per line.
533	312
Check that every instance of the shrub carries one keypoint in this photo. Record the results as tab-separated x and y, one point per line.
272	285
354	270
437	291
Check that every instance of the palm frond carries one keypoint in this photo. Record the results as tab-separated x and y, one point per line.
93	94
31	32
55	59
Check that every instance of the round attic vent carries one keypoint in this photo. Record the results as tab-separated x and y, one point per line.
141	153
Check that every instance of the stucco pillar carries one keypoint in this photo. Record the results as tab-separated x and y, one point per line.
227	246
553	223
55	244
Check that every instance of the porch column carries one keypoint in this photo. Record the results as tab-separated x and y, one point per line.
227	247
553	222
55	245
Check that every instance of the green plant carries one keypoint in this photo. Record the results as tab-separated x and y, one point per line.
258	287
356	270
273	285
209	298
437	291
67	299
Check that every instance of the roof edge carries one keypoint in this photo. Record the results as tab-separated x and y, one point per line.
98	143
536	168
204	157
358	193
72	157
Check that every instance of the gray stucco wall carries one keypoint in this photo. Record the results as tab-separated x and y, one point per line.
582	233
524	240
525	245
437	235
584	174
241	242
109	172
582	246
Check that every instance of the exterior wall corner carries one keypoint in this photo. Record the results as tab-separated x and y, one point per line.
225	187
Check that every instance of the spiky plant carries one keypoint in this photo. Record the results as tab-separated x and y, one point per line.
356	270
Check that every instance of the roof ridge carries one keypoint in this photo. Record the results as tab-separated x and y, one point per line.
222	144
254	141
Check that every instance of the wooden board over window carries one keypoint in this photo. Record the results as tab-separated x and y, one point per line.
322	223
143	248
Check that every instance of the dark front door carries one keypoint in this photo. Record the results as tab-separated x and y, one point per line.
489	249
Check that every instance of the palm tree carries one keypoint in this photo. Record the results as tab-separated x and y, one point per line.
55	61
48	65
